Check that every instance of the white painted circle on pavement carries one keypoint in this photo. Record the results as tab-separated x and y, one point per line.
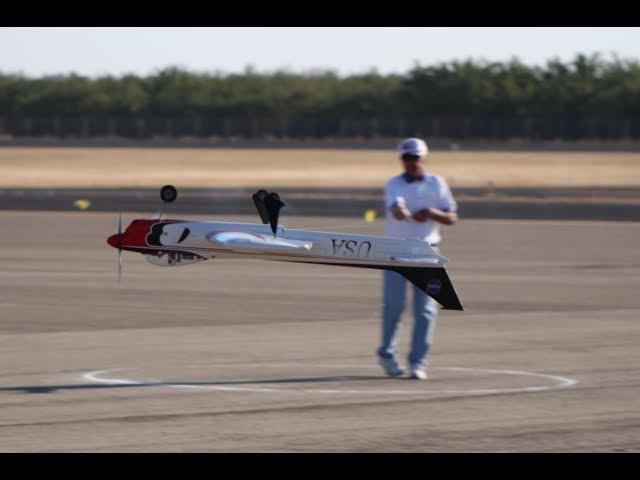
113	376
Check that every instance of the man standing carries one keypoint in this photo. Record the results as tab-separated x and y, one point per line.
416	203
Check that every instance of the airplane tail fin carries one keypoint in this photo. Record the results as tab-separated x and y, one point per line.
434	282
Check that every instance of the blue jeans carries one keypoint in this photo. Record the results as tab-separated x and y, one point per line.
425	312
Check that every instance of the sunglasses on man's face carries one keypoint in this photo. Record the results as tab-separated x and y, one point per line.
410	158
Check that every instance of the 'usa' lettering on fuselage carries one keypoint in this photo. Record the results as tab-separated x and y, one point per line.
351	248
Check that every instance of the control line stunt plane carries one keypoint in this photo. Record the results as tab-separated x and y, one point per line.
166	242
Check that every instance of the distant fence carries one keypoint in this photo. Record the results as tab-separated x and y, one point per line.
445	127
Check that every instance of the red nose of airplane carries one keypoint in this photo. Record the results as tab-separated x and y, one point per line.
135	235
115	240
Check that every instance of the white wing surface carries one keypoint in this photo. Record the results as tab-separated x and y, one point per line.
249	242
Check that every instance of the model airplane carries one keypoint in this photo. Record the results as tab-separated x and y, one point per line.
167	242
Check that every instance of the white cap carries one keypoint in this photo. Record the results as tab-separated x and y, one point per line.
413	146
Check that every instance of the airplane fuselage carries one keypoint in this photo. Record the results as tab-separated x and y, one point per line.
177	242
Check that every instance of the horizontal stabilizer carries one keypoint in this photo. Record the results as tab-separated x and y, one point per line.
247	241
434	282
417	260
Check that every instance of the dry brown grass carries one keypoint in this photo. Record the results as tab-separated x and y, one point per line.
132	167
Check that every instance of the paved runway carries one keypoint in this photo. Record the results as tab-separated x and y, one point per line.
254	356
543	203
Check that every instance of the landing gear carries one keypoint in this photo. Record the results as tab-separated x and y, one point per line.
268	205
168	193
258	200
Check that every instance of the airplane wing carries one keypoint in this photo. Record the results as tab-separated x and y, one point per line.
249	242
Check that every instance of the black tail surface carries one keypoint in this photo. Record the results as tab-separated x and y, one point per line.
434	282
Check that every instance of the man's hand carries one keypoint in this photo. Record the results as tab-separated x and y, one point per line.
422	215
400	211
446	218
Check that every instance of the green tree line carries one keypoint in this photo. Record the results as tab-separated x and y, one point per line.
587	85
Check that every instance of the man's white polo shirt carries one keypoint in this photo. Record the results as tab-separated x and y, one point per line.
430	192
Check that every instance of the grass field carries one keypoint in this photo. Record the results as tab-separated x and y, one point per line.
138	167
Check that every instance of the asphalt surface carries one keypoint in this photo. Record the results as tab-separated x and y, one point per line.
371	143
542	203
240	355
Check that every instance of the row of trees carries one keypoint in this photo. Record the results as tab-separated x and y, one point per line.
583	87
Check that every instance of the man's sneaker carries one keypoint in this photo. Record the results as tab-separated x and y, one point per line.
418	372
391	367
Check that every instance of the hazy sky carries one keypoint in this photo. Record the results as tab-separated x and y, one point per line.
96	51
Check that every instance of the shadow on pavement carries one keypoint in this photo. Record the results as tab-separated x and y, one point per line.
92	386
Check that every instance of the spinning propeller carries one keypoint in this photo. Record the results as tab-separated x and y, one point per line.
119	245
168	194
115	241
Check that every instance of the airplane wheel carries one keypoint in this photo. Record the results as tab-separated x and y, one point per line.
168	193
261	194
